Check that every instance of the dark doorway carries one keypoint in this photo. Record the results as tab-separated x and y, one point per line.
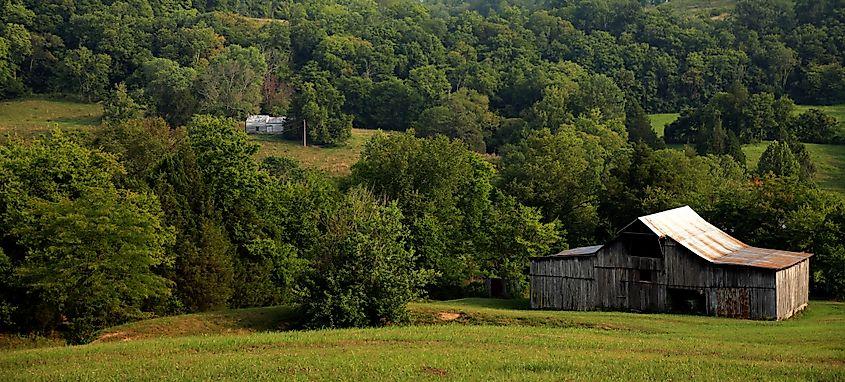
686	301
497	288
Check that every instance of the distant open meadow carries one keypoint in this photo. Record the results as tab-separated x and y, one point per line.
828	159
27	118
334	160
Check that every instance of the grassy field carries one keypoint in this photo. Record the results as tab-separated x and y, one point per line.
333	160
715	9
475	339
26	118
836	111
659	121
829	161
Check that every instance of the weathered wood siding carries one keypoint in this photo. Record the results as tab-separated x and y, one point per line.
618	282
730	291
684	269
563	283
793	286
742	292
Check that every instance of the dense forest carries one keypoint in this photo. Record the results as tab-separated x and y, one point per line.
522	129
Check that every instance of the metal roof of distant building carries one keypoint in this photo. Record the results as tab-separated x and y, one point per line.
690	230
580	251
264	118
257	118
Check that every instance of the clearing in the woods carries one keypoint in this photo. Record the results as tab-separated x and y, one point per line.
335	160
472	339
27	118
829	159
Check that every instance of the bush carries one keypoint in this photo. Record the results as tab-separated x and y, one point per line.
815	126
363	272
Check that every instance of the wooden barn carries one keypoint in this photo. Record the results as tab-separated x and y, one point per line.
674	261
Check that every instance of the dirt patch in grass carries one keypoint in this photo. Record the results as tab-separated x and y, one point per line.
448	316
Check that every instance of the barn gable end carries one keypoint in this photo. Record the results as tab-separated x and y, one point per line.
674	261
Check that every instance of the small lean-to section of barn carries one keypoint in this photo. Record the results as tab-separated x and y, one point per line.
674	261
564	281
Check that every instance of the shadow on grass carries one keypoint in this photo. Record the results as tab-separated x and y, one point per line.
236	321
510	304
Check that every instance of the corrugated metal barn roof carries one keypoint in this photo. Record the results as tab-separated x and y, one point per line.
690	230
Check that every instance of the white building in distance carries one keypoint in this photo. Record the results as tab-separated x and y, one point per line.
264	124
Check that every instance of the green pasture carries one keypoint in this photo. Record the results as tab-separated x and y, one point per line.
475	339
26	118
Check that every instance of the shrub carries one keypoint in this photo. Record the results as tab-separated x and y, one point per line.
363	272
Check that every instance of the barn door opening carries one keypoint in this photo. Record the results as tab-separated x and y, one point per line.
686	301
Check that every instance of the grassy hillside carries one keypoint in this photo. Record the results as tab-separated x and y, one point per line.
333	160
659	121
715	9
836	111
501	343
829	161
29	117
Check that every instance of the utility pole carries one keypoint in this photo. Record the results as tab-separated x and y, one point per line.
304	134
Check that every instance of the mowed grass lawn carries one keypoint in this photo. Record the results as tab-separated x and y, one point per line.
474	339
27	118
335	160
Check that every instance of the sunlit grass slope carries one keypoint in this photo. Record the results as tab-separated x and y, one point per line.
836	111
659	121
474	340
828	159
335	160
26	118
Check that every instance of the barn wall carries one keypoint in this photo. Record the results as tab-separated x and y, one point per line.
793	288
613	280
684	269
729	291
619	284
566	283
